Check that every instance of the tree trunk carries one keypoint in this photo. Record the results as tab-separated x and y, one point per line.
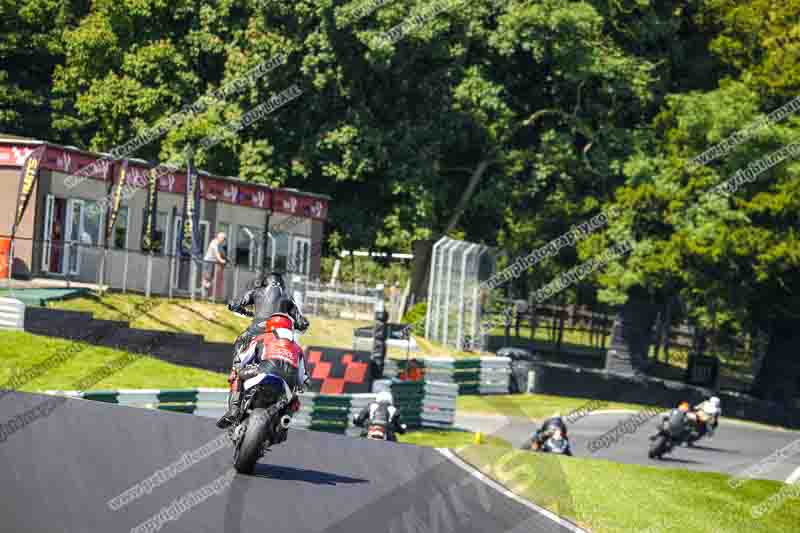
420	269
668	338
659	333
667	329
778	378
467	194
631	336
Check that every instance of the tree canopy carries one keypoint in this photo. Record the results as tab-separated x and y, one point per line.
503	122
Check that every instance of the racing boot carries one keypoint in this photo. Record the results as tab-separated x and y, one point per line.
234	402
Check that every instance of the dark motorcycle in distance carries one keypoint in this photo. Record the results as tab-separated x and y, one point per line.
668	436
556	443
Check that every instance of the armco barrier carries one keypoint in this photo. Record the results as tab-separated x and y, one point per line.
423	404
12	314
564	380
484	375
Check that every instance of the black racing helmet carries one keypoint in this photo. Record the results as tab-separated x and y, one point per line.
276	294
274	279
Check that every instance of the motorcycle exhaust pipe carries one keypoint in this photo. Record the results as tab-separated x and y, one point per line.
285	421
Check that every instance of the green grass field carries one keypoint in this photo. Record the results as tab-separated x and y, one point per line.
217	324
19	350
533	406
541	406
444	438
607	497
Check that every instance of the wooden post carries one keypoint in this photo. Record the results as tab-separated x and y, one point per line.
125	273
659	329
171	274
561	318
235	280
149	274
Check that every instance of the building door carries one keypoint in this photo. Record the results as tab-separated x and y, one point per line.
75	229
53	235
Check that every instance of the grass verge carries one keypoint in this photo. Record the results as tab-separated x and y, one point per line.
19	350
449	438
217	324
540	406
534	406
604	496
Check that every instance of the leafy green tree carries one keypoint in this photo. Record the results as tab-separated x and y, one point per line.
30	48
733	256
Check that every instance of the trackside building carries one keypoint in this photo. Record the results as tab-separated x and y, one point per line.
62	233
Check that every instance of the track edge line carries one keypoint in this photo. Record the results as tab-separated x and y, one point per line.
483	478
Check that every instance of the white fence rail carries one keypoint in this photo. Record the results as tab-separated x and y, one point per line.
12	314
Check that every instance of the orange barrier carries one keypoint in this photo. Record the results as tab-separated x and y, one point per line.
5	250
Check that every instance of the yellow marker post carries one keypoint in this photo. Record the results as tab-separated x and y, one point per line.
478	437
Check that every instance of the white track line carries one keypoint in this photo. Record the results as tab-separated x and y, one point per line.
794	476
502	490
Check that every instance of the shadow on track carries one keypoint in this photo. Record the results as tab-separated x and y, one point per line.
712	449
676	460
288	473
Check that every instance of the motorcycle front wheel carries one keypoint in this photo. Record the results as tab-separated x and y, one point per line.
246	454
658	447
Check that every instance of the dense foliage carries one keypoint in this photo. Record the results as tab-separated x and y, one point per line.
498	121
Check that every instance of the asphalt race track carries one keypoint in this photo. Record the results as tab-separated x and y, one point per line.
60	471
734	447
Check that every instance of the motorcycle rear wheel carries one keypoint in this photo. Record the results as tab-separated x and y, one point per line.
247	453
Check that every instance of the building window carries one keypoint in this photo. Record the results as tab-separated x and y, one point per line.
92	233
119	233
301	255
281	243
160	241
248	244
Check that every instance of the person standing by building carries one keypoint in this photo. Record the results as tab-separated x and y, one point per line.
219	278
212	260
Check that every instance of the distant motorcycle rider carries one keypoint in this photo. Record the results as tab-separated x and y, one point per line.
268	297
678	421
547	430
381	412
708	413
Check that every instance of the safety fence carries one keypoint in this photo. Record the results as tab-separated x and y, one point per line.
480	375
341	300
420	404
69	264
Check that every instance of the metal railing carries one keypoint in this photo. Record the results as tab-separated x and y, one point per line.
70	264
